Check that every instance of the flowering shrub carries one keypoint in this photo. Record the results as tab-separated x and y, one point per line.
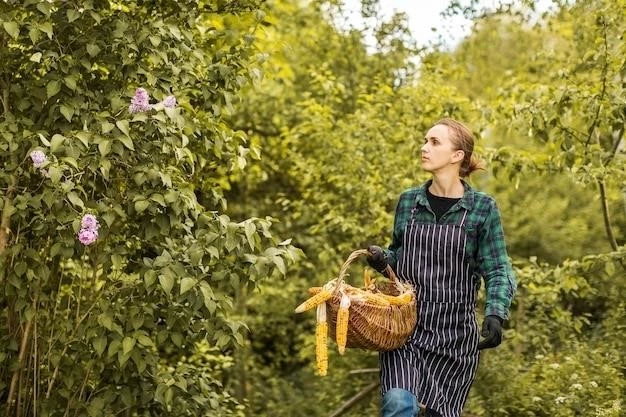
89	229
39	158
103	328
140	101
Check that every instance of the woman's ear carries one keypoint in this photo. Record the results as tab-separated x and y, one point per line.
458	156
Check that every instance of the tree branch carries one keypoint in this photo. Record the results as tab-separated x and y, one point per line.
20	361
352	401
605	214
5	219
4	98
620	136
605	68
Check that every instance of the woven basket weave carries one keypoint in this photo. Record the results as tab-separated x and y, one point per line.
371	326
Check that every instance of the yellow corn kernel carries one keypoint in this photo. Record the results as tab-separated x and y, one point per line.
341	330
402	299
321	348
314	290
377	299
367	278
318	298
321	340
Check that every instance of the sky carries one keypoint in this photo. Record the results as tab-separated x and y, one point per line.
423	15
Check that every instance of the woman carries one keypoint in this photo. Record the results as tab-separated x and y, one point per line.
445	237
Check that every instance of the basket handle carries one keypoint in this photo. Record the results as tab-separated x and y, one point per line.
343	272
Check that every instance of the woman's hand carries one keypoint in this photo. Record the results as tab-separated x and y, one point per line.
376	258
492	332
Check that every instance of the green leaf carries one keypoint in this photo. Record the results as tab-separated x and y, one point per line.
195	255
105	321
123	126
127	141
144	340
186	284
70	161
155	40
177	338
70	81
84	138
44	140
105	167
106	127
149	277
104	147
67	111
99	344
55	174
223	340
116	260
158	198
280	264
56	142
53	88
214	252
250	229
128	344
36	57
75	199
141	205
12	29
72	15
93	49
20	268
46	28
167	283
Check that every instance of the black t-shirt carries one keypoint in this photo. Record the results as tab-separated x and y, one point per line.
440	205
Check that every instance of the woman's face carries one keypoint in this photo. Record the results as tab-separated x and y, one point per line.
438	151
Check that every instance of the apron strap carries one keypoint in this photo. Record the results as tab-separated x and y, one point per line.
464	217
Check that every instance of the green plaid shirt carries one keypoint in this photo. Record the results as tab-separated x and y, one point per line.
485	249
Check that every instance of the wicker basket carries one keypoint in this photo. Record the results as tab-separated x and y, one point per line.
371	326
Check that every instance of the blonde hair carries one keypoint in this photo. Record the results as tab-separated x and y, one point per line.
463	140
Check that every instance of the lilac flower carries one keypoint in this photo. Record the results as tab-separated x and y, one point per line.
87	236
89	222
39	158
140	101
169	101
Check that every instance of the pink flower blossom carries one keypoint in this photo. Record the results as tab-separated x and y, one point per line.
89	222
140	101
87	236
39	158
169	101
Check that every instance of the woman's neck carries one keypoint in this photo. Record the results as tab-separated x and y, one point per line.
447	186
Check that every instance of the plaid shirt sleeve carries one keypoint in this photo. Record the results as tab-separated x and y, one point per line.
403	212
494	265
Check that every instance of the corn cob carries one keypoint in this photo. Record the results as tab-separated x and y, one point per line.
377	299
321	338
401	299
341	330
318	298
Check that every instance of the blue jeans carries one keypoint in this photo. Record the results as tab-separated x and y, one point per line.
399	402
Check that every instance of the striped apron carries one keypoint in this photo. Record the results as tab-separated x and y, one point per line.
439	360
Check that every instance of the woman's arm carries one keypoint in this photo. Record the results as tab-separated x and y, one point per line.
403	208
494	265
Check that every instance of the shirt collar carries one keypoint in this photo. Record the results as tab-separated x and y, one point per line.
467	201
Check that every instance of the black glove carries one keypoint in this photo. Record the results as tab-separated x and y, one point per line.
492	332
376	258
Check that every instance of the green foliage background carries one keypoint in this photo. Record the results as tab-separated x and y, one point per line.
293	125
